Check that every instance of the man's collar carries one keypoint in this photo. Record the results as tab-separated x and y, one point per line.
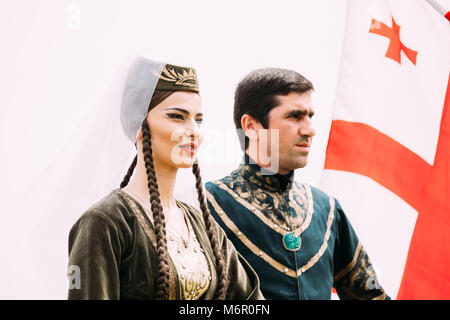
263	178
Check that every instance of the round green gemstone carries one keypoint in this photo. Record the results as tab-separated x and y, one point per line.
291	242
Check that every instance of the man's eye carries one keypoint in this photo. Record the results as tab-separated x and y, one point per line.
175	116
199	121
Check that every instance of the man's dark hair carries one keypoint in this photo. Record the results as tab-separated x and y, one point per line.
257	94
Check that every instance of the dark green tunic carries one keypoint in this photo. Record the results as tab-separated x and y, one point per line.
113	247
259	211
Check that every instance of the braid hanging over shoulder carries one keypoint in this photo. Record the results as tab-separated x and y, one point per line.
162	278
212	235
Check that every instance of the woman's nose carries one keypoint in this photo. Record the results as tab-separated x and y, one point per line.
193	130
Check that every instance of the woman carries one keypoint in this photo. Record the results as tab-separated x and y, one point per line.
139	242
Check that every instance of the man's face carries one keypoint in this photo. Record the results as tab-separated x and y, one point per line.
292	117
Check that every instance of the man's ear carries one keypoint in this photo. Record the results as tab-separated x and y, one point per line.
250	126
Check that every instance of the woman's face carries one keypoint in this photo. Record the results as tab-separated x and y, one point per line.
175	129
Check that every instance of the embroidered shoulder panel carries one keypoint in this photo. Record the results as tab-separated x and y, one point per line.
287	210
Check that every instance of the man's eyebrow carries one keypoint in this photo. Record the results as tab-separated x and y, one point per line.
183	111
299	112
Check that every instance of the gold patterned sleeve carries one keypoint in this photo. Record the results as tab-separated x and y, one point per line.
358	281
354	277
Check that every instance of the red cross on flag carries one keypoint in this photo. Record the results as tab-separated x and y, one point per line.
388	154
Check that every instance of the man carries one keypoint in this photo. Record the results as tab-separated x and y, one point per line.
295	236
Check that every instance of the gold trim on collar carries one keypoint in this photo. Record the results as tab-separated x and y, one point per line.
271	224
263	255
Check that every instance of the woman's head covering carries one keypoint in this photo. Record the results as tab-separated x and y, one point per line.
145	76
93	161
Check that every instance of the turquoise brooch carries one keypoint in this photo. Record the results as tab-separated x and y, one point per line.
292	242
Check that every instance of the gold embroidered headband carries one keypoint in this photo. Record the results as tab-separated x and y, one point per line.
177	78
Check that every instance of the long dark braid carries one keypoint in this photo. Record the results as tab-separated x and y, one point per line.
127	177
162	277
212	235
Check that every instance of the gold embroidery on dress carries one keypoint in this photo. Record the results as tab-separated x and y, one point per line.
190	262
193	270
147	230
263	255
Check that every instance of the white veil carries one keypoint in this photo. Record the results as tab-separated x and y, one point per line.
88	168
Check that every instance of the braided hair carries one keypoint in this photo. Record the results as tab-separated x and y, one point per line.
162	278
210	230
127	177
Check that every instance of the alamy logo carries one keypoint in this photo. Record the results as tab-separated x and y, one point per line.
74	275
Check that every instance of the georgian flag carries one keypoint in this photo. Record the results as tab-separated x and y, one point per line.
388	154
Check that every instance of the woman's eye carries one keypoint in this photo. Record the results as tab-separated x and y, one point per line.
199	121
175	116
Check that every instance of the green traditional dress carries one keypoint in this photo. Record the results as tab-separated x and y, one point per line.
114	247
296	237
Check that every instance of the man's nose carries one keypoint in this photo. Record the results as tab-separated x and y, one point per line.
307	129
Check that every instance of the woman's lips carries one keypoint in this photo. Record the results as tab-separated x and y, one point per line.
189	148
